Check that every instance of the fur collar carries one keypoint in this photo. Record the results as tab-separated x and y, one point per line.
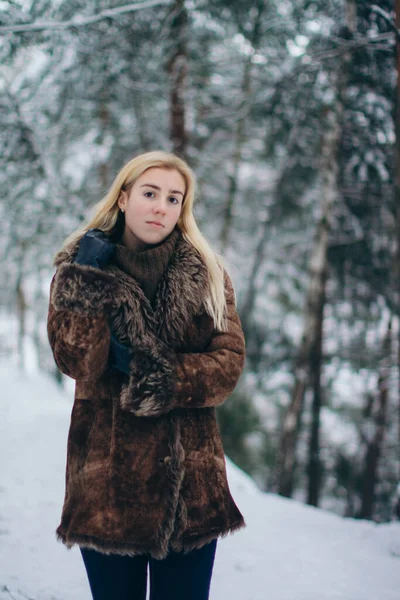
153	334
180	294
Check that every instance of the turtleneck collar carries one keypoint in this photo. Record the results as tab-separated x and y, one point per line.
147	266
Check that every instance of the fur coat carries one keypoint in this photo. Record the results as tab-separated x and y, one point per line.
145	468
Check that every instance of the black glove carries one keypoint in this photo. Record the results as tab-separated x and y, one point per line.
95	249
120	355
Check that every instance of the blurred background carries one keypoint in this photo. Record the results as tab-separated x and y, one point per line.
286	111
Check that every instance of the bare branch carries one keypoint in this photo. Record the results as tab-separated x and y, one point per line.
360	42
82	21
386	17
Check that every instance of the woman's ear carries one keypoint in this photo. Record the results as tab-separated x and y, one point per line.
122	199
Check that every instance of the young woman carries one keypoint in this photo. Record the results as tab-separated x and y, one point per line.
142	315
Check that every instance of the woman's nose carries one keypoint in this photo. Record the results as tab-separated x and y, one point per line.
160	206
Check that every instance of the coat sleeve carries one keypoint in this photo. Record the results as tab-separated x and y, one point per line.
77	325
207	378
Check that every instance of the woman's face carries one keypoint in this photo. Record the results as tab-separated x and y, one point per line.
152	207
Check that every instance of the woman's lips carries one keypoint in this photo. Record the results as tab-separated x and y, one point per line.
155	224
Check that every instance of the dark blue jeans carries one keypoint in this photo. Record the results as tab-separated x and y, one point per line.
176	577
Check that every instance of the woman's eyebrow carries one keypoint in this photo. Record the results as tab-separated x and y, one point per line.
155	187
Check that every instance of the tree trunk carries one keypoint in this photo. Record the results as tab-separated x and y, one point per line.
307	368
240	137
312	330
316	351
374	446
178	70
396	269
267	229
104	117
58	376
251	292
139	106
21	315
37	301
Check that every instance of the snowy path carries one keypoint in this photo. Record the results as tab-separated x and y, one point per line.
287	552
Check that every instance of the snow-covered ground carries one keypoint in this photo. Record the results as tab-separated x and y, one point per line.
287	552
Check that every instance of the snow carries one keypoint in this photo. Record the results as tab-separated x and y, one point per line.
288	550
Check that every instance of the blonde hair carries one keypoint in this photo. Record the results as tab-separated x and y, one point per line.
106	214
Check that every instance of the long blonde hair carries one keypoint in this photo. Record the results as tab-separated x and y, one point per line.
107	210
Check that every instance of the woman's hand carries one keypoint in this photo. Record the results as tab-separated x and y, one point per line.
95	249
120	355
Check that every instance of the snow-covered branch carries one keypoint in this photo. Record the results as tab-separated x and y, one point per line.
386	16
358	42
110	13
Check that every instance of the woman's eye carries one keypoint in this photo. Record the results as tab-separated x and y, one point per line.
149	194
174	200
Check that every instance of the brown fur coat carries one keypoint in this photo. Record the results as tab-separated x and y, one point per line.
145	463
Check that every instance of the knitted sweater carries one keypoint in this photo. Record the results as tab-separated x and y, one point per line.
147	266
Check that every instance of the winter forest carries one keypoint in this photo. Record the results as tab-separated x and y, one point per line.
288	112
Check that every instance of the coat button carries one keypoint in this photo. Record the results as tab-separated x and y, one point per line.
167	459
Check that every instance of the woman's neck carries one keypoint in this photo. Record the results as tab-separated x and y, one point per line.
129	240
